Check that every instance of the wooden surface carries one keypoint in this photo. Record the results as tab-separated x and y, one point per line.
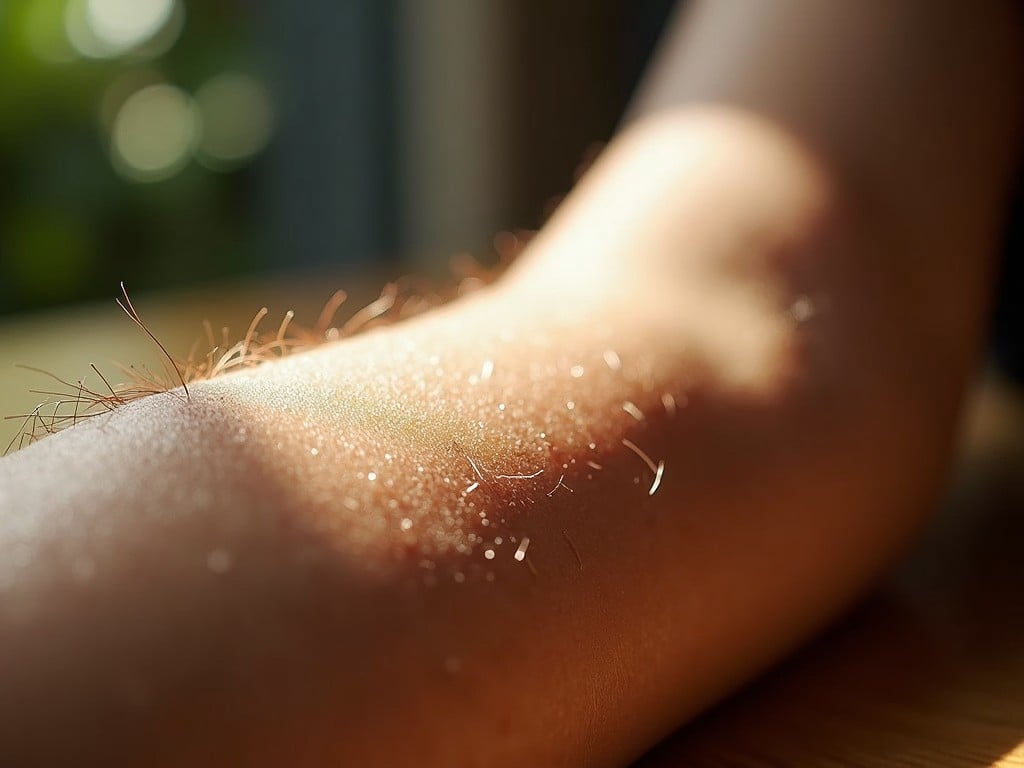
929	671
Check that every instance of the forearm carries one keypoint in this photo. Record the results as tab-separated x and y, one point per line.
294	562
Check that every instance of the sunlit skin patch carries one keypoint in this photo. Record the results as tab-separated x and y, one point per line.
436	448
460	440
453	449
443	468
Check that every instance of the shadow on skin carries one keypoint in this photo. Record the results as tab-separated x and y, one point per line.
927	671
213	625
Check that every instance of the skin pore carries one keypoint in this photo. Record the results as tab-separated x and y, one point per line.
440	542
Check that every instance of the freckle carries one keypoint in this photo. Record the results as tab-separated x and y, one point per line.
406	524
371	476
576	371
489	554
612	360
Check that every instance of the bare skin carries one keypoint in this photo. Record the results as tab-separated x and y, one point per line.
300	564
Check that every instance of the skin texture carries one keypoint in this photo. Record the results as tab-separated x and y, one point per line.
300	564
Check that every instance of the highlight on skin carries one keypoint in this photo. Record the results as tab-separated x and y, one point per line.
538	473
495	456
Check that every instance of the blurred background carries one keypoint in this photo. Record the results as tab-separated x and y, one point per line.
170	143
219	155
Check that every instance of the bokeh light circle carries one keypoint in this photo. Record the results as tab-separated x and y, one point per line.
154	133
124	24
101	29
237	119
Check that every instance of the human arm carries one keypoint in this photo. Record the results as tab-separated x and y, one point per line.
240	595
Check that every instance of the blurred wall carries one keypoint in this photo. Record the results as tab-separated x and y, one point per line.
501	101
332	173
